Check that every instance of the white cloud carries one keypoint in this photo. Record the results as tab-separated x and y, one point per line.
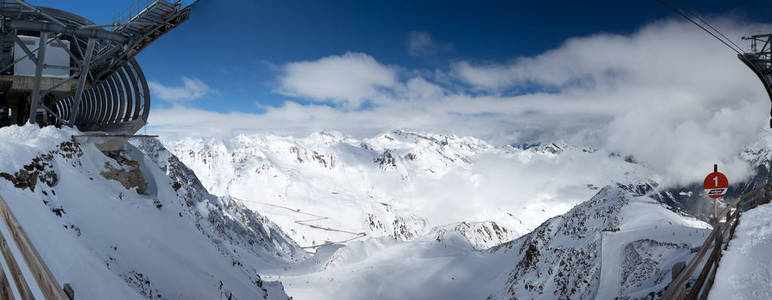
662	54
348	79
191	89
677	99
667	94
421	44
418	88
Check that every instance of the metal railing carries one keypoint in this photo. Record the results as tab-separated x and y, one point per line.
131	11
45	280
723	232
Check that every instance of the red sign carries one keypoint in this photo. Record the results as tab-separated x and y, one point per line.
716	185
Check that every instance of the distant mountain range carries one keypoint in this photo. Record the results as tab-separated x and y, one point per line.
401	215
401	184
402	192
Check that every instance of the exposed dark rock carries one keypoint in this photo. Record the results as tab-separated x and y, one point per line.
386	160
39	170
127	174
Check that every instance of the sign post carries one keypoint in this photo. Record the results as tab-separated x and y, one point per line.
715	185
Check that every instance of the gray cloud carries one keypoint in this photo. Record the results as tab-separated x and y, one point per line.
422	44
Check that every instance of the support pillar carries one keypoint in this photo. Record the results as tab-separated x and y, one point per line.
82	80
40	63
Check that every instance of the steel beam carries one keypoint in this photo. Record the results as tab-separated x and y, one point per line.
82	80
111	93
101	34
66	49
60	83
35	98
24	48
25	56
40	12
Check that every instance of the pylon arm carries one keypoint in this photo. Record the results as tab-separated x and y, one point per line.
24	25
748	59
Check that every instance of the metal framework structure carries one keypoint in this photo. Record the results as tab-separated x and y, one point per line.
105	89
759	60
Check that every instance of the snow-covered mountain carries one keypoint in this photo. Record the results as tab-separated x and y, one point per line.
135	224
331	188
402	215
617	244
460	217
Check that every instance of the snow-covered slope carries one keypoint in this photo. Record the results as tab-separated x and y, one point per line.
329	187
402	215
746	266
130	225
617	244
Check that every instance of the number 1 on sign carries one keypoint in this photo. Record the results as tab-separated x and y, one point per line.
715	180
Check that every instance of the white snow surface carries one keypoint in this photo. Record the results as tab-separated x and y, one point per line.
419	215
109	242
330	187
560	259
745	269
646	221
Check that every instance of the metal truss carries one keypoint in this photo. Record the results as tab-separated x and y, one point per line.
111	94
759	60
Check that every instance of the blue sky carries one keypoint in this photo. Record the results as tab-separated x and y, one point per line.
236	46
626	76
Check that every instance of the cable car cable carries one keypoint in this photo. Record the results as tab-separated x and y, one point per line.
697	24
693	14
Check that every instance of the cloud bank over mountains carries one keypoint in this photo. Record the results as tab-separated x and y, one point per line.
667	94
